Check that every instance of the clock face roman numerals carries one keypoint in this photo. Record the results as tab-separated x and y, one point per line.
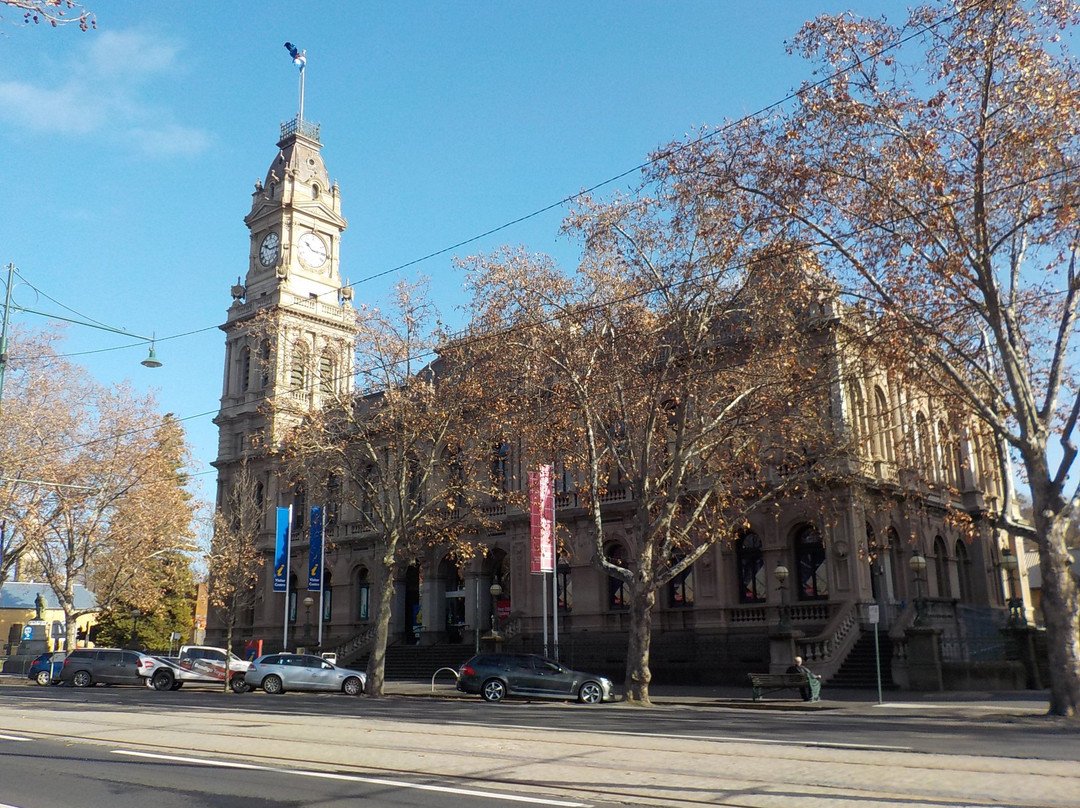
268	252
311	250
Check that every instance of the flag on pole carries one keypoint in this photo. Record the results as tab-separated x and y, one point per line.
315	551
299	57
542	518
281	549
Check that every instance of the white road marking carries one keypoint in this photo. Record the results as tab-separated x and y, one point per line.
379	781
12	738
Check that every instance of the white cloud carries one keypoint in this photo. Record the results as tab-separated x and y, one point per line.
112	87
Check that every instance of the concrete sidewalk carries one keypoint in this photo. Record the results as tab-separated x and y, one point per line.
968	704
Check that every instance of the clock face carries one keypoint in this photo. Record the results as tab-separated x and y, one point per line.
268	252
312	250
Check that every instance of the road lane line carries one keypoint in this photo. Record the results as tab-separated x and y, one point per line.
12	738
355	778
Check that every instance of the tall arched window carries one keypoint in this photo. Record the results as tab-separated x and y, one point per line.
618	589
298	370
326	375
681	587
860	424
963	571
750	566
810	562
941	568
363	594
565	583
264	363
245	368
292	597
500	468
883	437
327	596
924	449
299	517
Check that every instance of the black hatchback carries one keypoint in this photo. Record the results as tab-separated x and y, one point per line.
496	676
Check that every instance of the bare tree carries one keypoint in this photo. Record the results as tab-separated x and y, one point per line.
939	186
54	12
386	452
674	371
235	559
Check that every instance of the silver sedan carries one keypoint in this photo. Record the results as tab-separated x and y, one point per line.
276	673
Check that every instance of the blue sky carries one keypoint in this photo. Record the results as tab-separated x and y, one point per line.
132	150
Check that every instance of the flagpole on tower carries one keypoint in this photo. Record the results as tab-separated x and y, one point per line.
299	58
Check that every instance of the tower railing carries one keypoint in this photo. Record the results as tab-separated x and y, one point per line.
298	126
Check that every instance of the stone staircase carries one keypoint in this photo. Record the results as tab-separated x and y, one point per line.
419	662
859	669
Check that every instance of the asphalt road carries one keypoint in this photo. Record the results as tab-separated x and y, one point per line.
55	774
678	754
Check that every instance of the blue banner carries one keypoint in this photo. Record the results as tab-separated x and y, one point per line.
281	550
315	555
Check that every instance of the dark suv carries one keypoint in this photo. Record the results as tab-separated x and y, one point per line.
84	667
496	676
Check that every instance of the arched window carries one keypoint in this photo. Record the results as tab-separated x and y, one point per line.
874	557
883	437
260	496
681	587
326	375
292	597
245	368
299	518
500	468
946	447
565	582
363	594
750	566
810	562
618	589
963	571
941	568
299	368
924	449
860	425
264	363
327	596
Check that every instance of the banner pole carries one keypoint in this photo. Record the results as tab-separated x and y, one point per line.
288	592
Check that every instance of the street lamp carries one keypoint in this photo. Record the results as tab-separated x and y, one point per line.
781	575
307	619
918	566
1016	602
135	615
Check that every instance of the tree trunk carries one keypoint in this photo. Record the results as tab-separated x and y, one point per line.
1061	609
638	676
376	668
228	649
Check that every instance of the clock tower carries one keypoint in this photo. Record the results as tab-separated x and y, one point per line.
290	331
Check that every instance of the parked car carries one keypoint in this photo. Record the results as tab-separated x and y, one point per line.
84	667
45	670
496	676
276	673
200	665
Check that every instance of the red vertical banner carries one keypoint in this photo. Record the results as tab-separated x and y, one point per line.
542	520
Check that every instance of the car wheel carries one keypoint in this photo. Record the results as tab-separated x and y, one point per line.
272	684
493	690
82	679
176	686
163	680
43	678
590	693
238	684
352	686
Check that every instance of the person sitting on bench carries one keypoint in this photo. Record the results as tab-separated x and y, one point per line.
807	692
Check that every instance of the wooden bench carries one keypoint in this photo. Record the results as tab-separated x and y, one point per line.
763	683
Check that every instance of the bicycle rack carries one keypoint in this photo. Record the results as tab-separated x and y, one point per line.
440	670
